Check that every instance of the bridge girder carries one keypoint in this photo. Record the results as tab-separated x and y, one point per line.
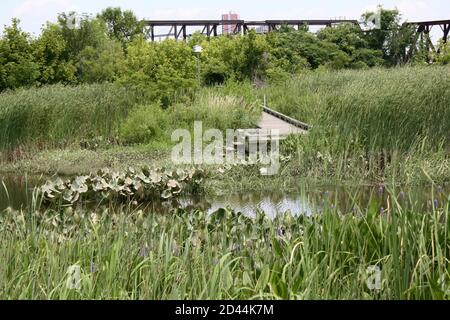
210	27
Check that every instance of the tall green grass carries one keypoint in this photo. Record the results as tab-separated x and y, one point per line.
372	125
124	253
57	114
217	110
403	109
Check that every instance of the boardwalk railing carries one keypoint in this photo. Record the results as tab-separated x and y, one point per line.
286	118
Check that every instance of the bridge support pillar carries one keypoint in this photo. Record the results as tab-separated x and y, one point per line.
446	29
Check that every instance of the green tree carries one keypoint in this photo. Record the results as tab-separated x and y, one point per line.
166	71
253	47
443	53
295	46
105	63
121	25
17	65
49	52
392	38
219	58
350	39
240	58
79	32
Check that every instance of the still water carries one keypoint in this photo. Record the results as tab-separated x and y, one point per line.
16	192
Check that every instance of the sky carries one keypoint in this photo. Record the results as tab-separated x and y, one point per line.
34	13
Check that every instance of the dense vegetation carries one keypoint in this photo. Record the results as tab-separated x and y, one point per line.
369	125
102	87
126	253
112	47
402	109
62	115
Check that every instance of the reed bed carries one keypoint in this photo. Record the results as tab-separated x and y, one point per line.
58	114
404	109
126	253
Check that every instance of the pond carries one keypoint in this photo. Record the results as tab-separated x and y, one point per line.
16	192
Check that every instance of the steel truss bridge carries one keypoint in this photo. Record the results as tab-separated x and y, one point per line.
178	28
212	28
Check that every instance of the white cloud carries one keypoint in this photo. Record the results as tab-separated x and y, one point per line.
414	9
35	13
32	6
182	13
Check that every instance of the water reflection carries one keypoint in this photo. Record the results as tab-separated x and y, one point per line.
271	204
16	192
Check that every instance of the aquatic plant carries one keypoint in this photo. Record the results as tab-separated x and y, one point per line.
137	185
139	254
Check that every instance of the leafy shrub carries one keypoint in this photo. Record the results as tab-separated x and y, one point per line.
103	64
139	184
165	71
18	67
443	57
144	124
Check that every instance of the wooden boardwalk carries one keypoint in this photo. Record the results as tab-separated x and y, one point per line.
285	125
271	120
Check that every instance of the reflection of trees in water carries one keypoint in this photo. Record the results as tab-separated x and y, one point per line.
345	199
197	203
16	191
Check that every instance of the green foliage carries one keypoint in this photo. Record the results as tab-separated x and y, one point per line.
105	63
50	51
239	58
402	109
18	67
145	124
392	38
142	184
58	114
122	26
125	253
299	49
80	32
443	55
217	110
219	59
284	58
350	39
83	49
166	71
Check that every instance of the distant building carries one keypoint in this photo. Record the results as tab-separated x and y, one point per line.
228	26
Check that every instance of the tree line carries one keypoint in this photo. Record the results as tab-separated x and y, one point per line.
111	47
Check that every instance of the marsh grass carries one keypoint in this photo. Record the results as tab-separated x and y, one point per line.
368	125
58	114
217	110
404	109
125	253
62	116
372	124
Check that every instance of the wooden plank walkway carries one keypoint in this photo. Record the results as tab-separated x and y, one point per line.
272	119
270	122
